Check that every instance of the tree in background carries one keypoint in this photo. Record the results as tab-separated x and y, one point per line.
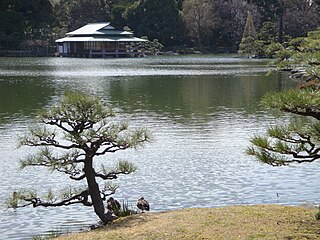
212	25
272	11
232	16
293	18
73	14
267	44
247	44
39	18
297	142
24	20
118	15
12	25
198	16
217	25
249	29
268	33
157	19
274	35
317	2
300	17
70	138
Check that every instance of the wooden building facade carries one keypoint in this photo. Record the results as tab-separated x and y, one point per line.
98	40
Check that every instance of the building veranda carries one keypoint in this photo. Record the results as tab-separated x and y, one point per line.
98	40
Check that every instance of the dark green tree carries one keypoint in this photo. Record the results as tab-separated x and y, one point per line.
12	25
24	20
272	11
117	15
118	10
73	14
38	16
268	33
69	139
266	44
157	19
269	9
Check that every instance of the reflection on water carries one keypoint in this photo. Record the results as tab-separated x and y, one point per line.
202	111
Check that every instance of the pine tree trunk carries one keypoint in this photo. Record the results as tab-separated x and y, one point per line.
95	191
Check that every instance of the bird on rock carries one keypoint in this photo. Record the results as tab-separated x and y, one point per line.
143	204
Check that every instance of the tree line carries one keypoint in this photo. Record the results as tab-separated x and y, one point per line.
212	25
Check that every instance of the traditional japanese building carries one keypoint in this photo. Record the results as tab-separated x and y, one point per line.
98	40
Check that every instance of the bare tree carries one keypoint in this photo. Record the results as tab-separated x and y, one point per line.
300	17
199	19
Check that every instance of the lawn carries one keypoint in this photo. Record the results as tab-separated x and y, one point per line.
233	222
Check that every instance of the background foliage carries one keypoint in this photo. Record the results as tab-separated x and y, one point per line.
213	25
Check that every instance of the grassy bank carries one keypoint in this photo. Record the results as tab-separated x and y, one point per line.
235	222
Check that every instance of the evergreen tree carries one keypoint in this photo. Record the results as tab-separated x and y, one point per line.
157	19
268	33
12	25
249	29
72	134
73	14
297	142
230	21
249	36
24	20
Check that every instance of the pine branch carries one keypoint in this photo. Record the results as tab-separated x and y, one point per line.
75	199
301	102
285	150
122	167
81	177
108	190
66	163
69	198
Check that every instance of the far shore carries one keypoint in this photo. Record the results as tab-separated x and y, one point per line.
232	222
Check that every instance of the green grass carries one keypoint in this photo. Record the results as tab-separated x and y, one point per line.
234	222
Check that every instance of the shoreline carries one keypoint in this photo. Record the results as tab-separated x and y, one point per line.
231	222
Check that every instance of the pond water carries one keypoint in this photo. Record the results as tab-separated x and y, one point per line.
202	111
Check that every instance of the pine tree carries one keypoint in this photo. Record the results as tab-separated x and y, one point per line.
72	134
297	142
249	36
249	29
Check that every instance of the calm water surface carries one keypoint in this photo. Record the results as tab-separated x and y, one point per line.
202	111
